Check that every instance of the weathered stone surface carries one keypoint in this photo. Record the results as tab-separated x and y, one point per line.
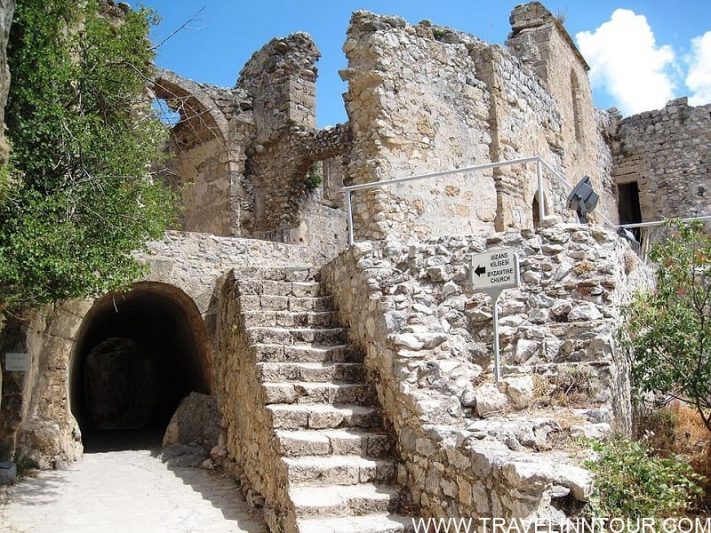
454	461
295	394
7	10
195	421
118	374
489	400
8	473
307	426
664	153
520	390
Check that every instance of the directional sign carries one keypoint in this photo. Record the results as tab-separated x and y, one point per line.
492	272
495	270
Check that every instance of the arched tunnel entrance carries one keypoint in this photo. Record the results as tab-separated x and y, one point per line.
138	354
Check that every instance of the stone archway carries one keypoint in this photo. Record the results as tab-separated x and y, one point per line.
136	356
202	168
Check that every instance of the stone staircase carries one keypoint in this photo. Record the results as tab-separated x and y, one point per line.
340	463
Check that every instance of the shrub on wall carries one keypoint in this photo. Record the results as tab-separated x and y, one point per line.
82	135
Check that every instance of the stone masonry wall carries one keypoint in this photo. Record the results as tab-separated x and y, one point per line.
470	448
416	105
208	148
7	10
539	39
667	153
524	121
252	450
277	171
486	104
280	78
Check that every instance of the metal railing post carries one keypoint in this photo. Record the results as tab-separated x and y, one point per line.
541	197
349	212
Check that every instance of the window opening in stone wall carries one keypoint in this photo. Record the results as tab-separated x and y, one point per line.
629	207
576	97
165	113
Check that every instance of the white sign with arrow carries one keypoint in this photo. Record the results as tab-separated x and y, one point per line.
492	272
495	271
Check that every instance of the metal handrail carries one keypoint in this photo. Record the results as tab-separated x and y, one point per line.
540	163
656	223
348	190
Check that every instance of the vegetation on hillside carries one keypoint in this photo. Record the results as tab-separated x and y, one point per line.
668	336
82	133
669	330
631	482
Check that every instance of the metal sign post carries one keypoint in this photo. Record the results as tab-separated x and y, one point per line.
492	272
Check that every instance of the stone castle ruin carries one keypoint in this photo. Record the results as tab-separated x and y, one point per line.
354	382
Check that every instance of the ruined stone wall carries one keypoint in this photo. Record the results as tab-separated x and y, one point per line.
524	121
539	39
280	78
253	454
425	98
320	224
7	10
667	153
208	148
333	181
416	105
278	171
470	448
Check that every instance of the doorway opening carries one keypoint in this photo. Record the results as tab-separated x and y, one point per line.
137	356
629	207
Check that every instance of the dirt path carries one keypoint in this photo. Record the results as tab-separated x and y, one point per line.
127	492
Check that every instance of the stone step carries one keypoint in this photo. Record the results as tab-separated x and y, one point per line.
312	372
295	273
334	441
299	289
338	470
290	319
343	500
269	335
264	302
307	353
375	523
323	416
322	392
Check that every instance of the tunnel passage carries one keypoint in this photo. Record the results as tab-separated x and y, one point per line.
138	354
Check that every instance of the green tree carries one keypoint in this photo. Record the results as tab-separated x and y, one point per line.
669	330
83	136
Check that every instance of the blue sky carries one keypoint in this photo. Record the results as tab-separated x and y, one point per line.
641	52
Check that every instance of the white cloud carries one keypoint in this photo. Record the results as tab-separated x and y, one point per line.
699	76
626	62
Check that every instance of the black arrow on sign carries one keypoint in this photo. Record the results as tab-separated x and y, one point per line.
480	270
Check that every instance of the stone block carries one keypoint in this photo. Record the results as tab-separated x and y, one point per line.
8	473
